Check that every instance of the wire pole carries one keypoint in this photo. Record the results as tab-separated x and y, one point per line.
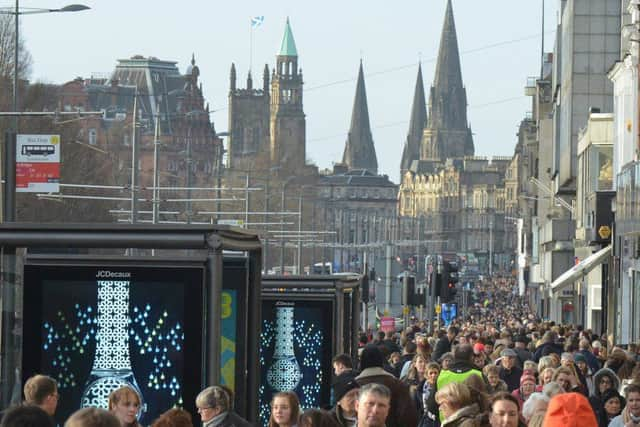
134	159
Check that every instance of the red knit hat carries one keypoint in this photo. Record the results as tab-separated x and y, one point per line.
527	377
569	410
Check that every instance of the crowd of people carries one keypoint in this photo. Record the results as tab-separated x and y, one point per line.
499	366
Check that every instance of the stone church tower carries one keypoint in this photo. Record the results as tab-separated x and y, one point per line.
447	134
359	151
287	120
248	120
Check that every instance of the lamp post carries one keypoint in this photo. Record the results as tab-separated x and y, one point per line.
284	187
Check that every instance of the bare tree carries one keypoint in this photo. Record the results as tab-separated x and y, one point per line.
7	57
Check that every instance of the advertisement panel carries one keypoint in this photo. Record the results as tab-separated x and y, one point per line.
96	329
38	163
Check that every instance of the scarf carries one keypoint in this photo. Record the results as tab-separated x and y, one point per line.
628	417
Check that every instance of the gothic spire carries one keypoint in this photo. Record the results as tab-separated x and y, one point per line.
359	151
417	123
448	134
448	66
232	77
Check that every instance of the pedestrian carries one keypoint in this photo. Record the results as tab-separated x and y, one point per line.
494	383
505	411
215	405
42	391
509	372
27	416
612	404
125	403
317	418
174	417
345	391
444	343
402	411
630	415
569	410
603	380
374	406
456	406
92	417
285	410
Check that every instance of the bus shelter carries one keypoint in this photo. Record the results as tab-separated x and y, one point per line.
306	321
166	310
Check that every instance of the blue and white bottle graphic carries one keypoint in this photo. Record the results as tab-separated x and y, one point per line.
112	363
284	374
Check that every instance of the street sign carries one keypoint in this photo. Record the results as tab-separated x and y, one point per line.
438	308
405	310
388	324
604	232
37	163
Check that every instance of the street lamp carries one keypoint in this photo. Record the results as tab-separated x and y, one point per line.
16	12
284	186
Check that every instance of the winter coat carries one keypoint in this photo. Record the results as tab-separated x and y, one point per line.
442	346
596	398
546	349
337	416
501	386
511	377
234	420
469	416
403	412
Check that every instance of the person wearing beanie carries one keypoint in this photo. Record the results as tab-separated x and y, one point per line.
584	371
569	410
612	404
527	387
630	415
402	411
345	392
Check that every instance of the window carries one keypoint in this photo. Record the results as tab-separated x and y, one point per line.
93	136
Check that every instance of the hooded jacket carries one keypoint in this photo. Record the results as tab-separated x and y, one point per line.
596	398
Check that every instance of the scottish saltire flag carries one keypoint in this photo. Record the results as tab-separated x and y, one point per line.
256	21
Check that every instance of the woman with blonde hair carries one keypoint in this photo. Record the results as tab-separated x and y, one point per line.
546	376
285	410
457	408
125	404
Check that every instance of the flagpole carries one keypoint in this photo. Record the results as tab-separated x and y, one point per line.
250	45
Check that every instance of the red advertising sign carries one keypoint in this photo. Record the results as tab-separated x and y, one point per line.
38	163
388	324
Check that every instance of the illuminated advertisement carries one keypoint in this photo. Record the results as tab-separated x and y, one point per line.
295	352
448	313
96	329
228	338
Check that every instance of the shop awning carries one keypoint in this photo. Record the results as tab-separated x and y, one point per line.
581	269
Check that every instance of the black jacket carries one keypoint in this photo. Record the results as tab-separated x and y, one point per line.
234	420
511	377
442	346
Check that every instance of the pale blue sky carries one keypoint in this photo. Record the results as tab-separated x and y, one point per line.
501	39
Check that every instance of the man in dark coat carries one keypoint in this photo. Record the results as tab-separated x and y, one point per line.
509	372
402	412
444	344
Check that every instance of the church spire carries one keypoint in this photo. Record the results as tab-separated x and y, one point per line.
288	45
448	134
417	123
359	151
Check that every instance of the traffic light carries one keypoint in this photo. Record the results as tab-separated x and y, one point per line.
413	297
365	288
450	279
